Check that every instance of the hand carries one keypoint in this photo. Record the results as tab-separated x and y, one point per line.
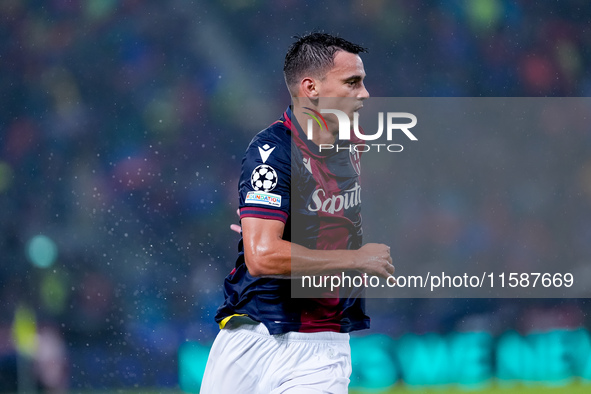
236	227
375	259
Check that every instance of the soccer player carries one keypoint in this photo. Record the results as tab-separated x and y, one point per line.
300	214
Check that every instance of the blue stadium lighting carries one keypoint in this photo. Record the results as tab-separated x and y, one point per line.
41	251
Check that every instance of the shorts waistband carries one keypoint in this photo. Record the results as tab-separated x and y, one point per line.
259	329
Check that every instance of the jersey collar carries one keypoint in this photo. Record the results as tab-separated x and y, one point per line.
301	139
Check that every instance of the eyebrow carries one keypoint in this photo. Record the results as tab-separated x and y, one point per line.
354	78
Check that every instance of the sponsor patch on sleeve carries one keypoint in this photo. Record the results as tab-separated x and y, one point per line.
263	198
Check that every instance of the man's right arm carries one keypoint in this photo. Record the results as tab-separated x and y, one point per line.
268	255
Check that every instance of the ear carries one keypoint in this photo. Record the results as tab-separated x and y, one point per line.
309	88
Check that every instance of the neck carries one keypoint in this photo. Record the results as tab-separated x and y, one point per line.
320	135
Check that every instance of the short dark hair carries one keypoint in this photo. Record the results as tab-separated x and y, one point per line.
314	53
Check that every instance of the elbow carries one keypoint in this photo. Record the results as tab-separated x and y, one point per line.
256	260
260	262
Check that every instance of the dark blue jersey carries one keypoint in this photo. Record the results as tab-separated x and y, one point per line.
318	197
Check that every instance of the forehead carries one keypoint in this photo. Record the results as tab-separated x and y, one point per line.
346	64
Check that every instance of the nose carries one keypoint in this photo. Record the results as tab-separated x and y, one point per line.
363	94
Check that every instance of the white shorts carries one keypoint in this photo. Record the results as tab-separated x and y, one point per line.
247	359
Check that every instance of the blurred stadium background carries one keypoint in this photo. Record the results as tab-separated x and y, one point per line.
122	127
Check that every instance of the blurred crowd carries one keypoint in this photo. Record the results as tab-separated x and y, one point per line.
122	129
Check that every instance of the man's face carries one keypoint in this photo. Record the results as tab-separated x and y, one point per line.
344	80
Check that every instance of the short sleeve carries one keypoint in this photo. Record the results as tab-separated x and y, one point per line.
265	181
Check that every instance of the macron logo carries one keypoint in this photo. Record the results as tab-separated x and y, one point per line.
265	152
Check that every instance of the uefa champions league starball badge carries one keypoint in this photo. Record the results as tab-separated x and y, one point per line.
263	178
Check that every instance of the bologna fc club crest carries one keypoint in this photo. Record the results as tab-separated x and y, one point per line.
355	161
263	178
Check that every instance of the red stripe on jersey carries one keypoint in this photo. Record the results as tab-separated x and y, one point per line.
331	236
287	121
263	213
325	316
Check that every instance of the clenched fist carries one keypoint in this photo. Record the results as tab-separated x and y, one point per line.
374	259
